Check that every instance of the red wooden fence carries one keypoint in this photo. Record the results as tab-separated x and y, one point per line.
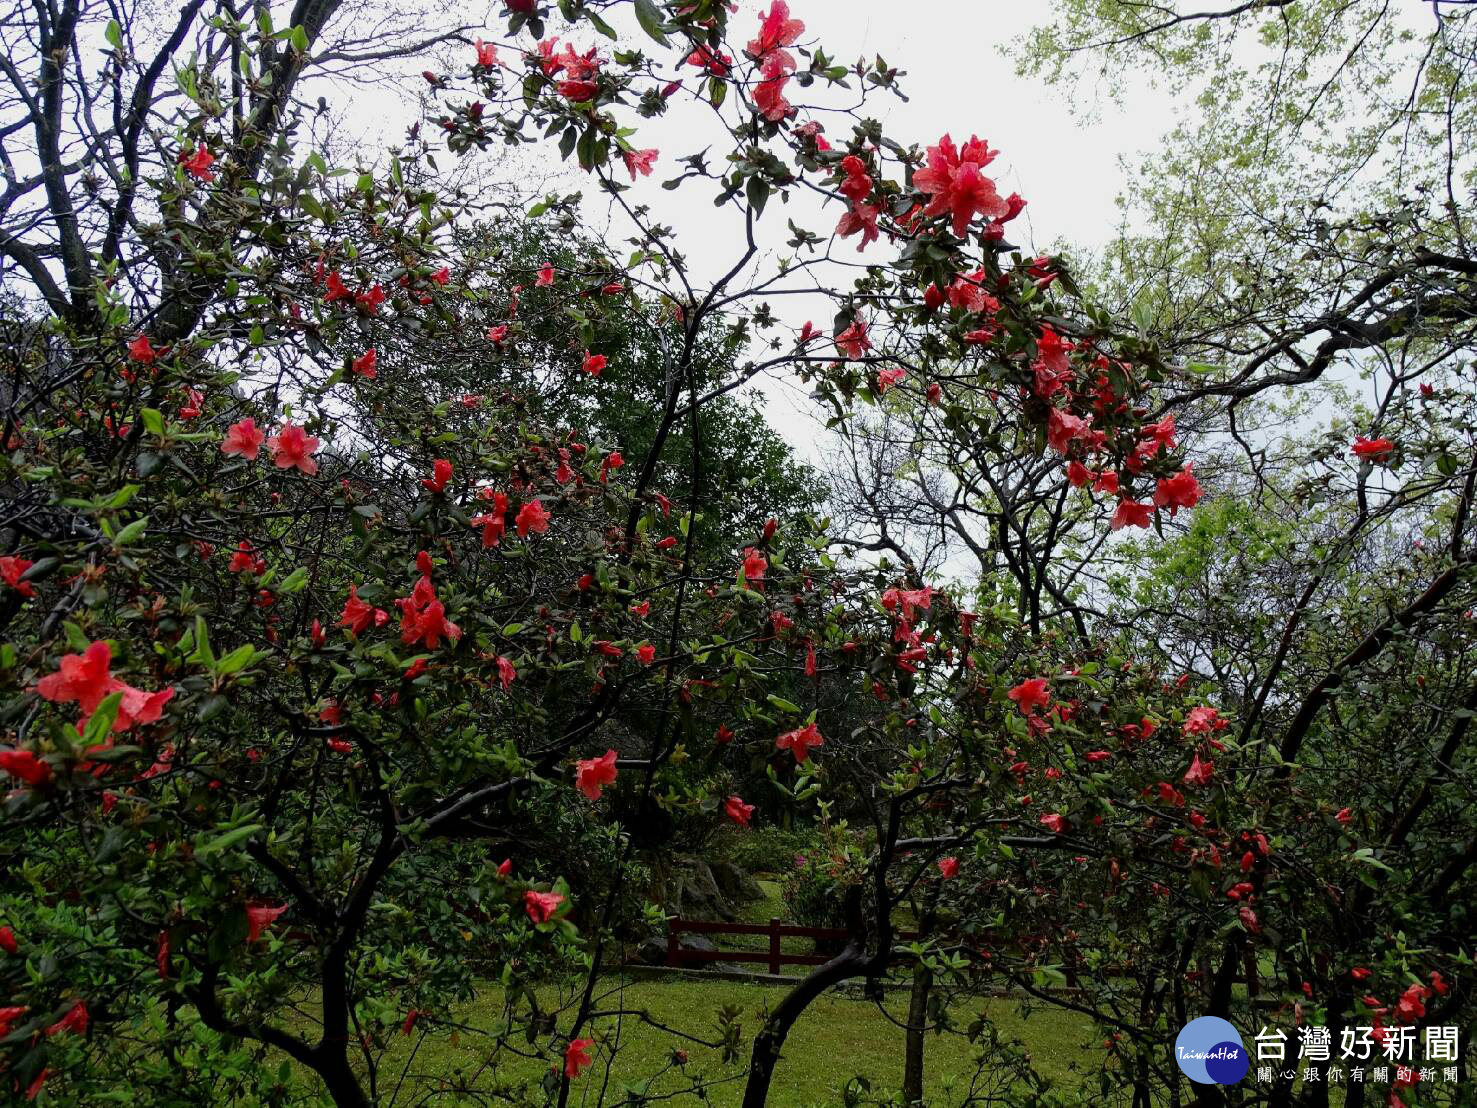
679	955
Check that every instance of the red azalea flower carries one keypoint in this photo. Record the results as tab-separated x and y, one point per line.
954	183
887	378
1378	451
1030	695
577	1058
293	448
11	570
506	673
800	740
754	565
140	350
259	917
715	62
736	810
364	365
358	614
1199	772
440	475
1179	491
74	1021
244	439
8	1016
593	774
639	161
532	516
853	341
198	163
1131	513
541	906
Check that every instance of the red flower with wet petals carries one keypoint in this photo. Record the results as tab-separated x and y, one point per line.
293	448
799	741
364	365
1131	513
244	439
736	810
593	774
1030	695
74	1021
440	475
577	1058
532	517
259	917
541	906
11	571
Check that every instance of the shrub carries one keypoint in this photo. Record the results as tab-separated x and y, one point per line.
765	849
813	891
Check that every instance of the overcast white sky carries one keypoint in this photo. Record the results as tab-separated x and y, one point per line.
957	81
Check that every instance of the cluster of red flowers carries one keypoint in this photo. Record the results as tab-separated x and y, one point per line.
776	64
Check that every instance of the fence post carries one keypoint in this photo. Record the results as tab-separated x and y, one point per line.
774	945
672	943
1251	975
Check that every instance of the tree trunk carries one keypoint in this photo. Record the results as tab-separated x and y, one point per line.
918	1008
851	962
917	1021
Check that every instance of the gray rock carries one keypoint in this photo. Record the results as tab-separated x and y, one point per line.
684	885
735	882
653	952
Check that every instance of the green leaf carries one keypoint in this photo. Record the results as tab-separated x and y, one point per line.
114	34
600	25
651	20
153	420
203	655
76	640
295	581
230	838
132	531
101	721
236	660
299	39
784	705
757	190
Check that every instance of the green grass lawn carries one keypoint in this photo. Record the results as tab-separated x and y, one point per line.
839	1036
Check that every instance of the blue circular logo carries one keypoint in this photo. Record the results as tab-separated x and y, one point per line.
1209	1051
